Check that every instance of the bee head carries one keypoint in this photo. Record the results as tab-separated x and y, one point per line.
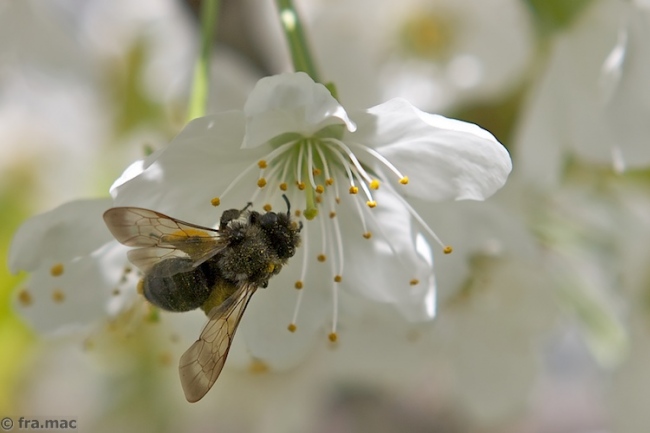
282	232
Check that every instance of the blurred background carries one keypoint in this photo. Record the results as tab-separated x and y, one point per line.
544	305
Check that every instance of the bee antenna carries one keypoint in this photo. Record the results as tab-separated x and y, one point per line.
284	196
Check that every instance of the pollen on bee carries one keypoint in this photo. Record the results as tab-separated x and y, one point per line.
262	163
267	207
58	296
404	180
414	282
215	201
56	270
374	184
25	298
139	288
316	171
333	337
367	235
270	268
371	204
298	285
448	249
329	181
283	186
301	185
320	189
292	327
353	190
321	258
332	214
261	182
338	279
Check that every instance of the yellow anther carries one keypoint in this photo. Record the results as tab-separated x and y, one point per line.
320	189
448	249
56	270
267	207
404	180
270	268
414	282
321	258
25	298
316	171
58	296
261	182
332	214
298	212
371	203
215	201
301	185
333	337
298	285
283	186
261	163
367	235
329	181
338	279
338	200
258	366
374	184
292	327
318	199
354	190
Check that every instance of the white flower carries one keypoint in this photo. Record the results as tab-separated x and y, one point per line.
437	54
343	171
592	99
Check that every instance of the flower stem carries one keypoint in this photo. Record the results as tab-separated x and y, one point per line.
300	54
200	84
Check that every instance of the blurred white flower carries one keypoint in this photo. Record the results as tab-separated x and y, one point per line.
437	54
592	100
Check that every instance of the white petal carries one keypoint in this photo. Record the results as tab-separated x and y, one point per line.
70	231
290	103
88	289
197	166
381	268
443	158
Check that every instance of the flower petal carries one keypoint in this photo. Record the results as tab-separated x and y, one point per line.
443	158
290	103
71	230
197	166
394	266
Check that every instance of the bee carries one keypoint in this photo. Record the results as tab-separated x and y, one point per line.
187	266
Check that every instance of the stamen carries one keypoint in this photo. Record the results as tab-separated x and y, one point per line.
267	207
283	186
329	181
25	298
310	164
402	179
316	171
56	270
353	190
58	296
298	174
298	285
445	248
367	235
332	214
374	184
335	312
215	201
371	204
262	164
261	182
301	186
352	157
321	258
333	336
296	308
414	282
320	189
292	327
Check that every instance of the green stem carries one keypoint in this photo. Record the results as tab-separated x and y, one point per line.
201	82
300	54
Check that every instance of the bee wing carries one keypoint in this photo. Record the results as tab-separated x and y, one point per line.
160	237
201	364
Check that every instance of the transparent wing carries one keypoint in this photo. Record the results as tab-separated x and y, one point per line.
160	236
201	364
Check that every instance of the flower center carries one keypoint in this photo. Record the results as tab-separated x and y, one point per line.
426	35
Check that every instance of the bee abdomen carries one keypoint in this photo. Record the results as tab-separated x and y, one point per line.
179	292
